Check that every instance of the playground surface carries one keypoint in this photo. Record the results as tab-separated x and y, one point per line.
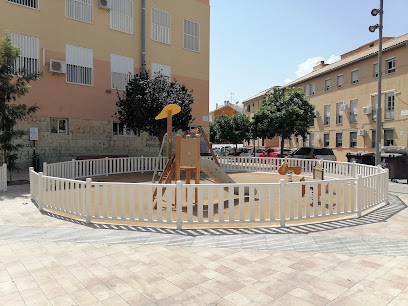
49	260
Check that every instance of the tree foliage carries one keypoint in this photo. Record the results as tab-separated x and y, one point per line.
145	97
232	129
285	112
13	84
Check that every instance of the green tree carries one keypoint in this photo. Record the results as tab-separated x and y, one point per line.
14	83
145	97
233	129
285	112
213	133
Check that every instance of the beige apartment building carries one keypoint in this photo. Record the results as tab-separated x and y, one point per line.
345	94
87	50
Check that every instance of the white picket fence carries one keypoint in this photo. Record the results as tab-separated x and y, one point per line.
348	188
3	177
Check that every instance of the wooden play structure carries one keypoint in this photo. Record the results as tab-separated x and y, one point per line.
187	152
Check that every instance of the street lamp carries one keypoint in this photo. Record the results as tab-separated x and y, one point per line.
372	28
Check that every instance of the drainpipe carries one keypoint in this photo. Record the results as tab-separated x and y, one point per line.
143	34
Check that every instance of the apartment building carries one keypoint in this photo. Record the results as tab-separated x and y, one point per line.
345	94
88	50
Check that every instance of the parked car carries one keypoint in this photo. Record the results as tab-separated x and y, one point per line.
239	152
274	152
223	151
313	153
255	152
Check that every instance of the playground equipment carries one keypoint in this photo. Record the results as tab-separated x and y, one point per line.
285	169
187	154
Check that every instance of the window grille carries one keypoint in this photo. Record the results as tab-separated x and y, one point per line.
59	126
160	68
122	70
28	61
28	3
79	10
79	65
191	35
160	26
121	16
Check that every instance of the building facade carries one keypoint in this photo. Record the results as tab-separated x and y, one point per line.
87	51
345	94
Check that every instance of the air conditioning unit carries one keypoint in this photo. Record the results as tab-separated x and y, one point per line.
367	110
361	132
58	66
316	113
104	4
344	107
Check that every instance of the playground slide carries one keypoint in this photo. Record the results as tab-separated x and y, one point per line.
218	175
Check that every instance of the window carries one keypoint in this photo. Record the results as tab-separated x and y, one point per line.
28	61
373	138
326	115
326	139
162	69
390	65
353	139
339	139
388	137
59	126
307	90
327	84
160	26
375	70
353	110
120	129
122	69
191	35
354	76
313	89
340	80
79	65
339	113
389	106
79	10
121	16
374	103
28	3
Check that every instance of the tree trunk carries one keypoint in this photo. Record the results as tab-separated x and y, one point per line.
282	144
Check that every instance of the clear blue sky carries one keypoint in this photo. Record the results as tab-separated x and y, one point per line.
256	44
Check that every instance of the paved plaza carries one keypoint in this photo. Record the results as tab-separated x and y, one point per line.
50	260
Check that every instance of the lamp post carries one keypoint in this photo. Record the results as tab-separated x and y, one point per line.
372	28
